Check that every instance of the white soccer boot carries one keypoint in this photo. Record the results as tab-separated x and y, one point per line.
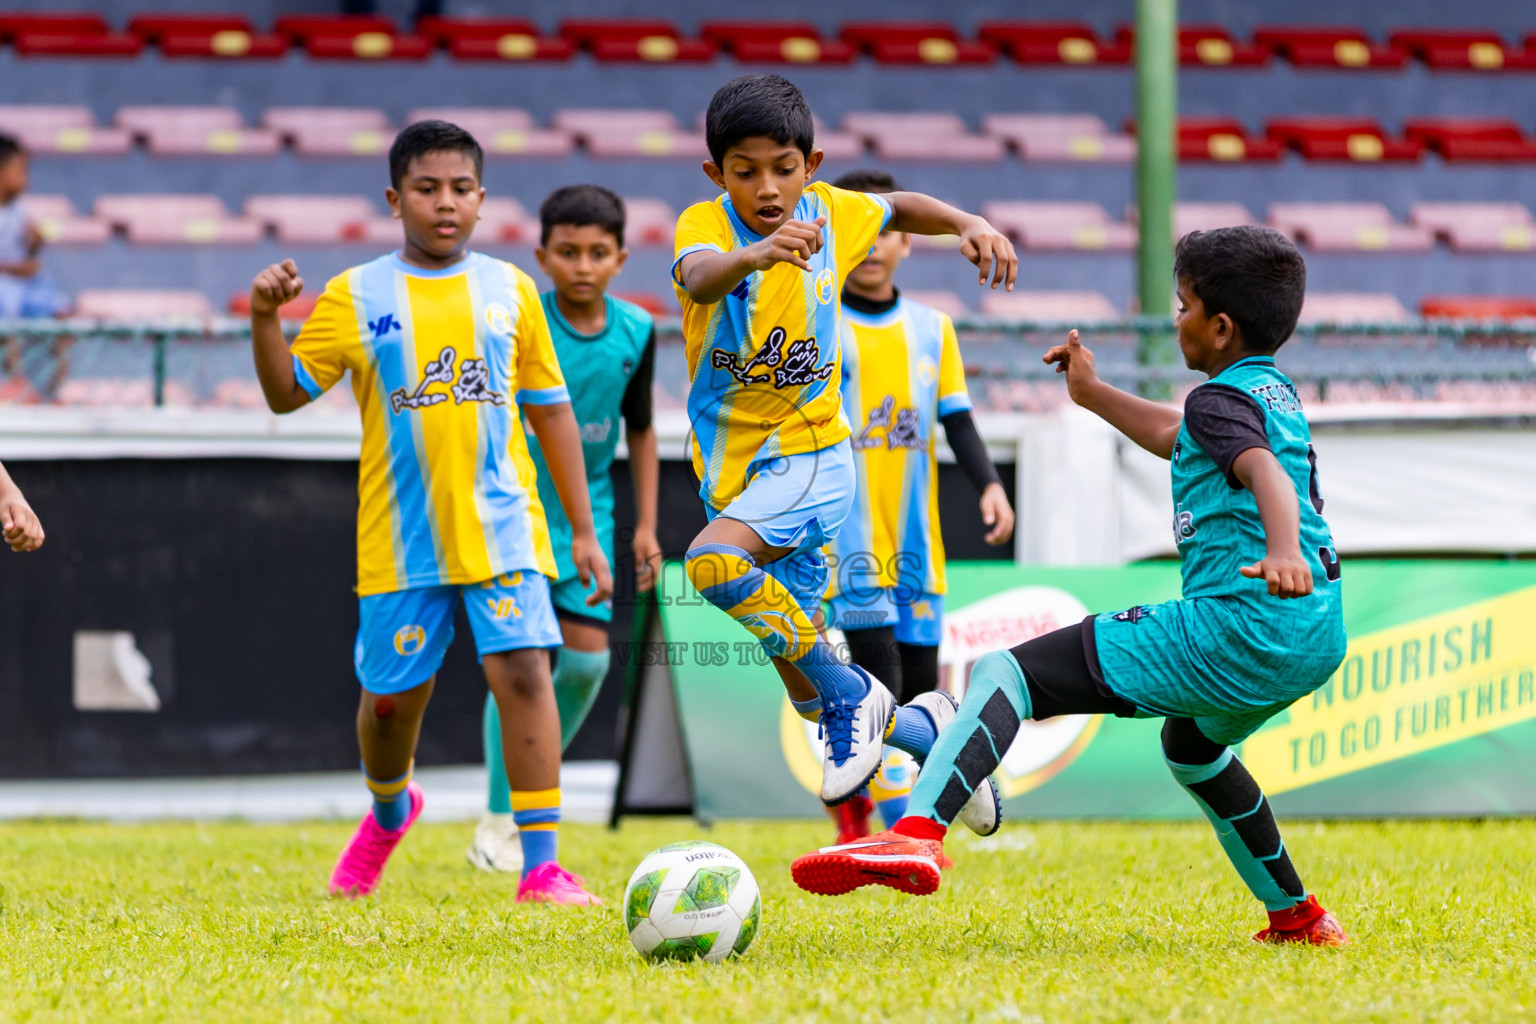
854	741
983	812
496	846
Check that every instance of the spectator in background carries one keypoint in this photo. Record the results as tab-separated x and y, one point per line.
24	290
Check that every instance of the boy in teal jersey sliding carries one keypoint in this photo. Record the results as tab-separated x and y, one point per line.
1260	624
607	352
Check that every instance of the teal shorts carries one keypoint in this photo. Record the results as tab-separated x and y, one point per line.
570	596
1229	663
402	636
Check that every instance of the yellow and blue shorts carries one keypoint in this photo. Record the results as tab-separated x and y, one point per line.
402	636
918	618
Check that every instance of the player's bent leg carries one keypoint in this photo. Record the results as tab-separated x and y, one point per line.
1237	808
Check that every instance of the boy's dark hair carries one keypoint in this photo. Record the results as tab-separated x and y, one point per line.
867	179
1254	275
754	105
423	137
580	205
10	146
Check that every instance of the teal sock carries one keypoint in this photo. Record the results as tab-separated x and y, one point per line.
996	701
578	678
912	731
498	798
391	801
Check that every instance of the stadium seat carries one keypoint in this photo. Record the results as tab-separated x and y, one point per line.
1352	308
311	219
1463	50
648	222
947	303
941	137
240	392
352	37
1478	307
652	303
142	304
196	131
77	23
1356	139
1478	227
649	40
65	34
56	219
1222	140
331	131
775	42
503	131
206	35
1053	42
837	145
1061	137
1189	217
63	129
505	221
1328	47
927	42
1207	46
1057	226
177	220
298	309
302	27
1349	227
1050	307
508	39
631	133
1459	140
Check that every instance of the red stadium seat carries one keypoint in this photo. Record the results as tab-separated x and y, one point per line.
142	304
1050	307
310	219
1053	42
76	44
196	131
509	39
776	42
206	35
302	27
504	131
1458	141
352	37
1328	47
178	220
331	131
940	137
66	23
1478	307
1222	140
1463	50
927	42
631	133
1058	226
58	222
648	222
61	129
1349	227
1061	137
297	309
1207	46
633	40
1333	139
1478	227
1352	308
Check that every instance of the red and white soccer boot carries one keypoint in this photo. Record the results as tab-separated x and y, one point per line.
852	818
887	858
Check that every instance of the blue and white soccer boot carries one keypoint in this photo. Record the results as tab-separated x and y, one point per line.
983	812
854	741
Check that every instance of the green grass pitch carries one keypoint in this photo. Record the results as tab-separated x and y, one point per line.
1043	922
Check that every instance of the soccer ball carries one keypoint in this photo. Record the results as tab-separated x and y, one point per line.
692	901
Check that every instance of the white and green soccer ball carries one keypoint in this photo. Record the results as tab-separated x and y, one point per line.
692	901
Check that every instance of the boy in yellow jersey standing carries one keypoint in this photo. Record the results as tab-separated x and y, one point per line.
445	345
902	376
759	272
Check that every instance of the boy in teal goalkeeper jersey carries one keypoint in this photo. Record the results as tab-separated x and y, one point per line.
1260	624
606	348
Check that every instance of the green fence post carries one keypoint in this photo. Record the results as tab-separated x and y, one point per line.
161	342
1156	106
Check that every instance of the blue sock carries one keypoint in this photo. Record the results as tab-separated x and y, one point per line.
391	802
996	701
913	731
537	814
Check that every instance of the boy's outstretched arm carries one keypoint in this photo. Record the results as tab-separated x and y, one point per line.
709	277
274	286
560	438
981	243
1283	566
1153	426
23	530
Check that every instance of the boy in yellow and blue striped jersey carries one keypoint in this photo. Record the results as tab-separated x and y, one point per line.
902	377
444	346
759	272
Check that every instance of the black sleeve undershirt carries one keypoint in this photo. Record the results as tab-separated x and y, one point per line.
636	404
970	451
1225	422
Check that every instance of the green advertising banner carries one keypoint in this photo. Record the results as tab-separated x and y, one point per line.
1433	711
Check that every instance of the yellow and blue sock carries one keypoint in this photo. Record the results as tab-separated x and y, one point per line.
891	788
391	803
537	814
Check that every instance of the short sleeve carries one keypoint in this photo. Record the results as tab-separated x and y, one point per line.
856	218
327	339
539	380
703	227
953	396
636	404
1225	422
